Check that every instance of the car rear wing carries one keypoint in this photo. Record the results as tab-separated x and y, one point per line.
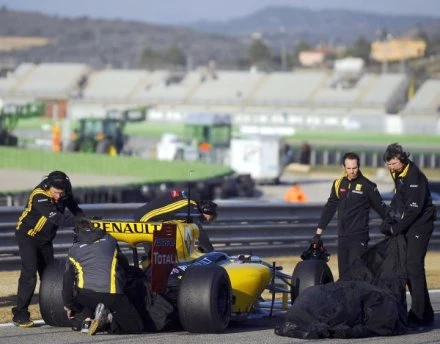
134	233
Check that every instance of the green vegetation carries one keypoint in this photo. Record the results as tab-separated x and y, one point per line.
91	163
153	130
316	138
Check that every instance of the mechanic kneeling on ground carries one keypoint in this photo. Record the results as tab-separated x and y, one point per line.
95	279
174	205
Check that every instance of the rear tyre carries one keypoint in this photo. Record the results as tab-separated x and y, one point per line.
205	299
51	298
309	273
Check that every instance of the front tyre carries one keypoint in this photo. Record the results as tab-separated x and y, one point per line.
205	299
309	273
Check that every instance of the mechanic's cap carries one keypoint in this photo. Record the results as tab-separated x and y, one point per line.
58	180
208	208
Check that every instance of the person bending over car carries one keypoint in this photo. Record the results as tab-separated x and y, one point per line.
35	232
94	279
173	205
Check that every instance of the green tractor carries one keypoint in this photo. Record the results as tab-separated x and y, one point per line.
9	116
207	137
104	135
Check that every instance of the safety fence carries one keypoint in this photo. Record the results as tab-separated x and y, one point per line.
260	228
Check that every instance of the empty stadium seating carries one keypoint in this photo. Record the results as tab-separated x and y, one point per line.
48	80
426	100
300	98
113	84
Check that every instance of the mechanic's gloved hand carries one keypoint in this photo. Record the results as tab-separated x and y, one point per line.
386	228
316	240
396	231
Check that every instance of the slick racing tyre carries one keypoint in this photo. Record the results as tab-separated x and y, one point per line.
308	273
205	299
51	298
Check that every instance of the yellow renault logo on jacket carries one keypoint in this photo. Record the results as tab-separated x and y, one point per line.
358	187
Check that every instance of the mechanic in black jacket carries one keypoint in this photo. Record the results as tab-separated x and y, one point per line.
352	195
173	205
36	229
94	279
413	216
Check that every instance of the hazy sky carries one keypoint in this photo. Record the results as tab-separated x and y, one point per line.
179	11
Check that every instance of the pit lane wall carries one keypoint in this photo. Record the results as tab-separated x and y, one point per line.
257	227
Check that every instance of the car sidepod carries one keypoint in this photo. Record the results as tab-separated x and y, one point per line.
248	281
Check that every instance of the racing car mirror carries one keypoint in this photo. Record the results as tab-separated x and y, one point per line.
163	256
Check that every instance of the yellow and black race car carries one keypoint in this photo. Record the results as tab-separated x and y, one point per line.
207	290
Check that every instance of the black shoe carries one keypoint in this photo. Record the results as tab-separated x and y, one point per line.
22	321
420	326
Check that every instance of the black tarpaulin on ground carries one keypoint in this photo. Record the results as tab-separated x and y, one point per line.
369	300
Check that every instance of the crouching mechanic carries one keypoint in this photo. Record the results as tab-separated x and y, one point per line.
94	279
174	205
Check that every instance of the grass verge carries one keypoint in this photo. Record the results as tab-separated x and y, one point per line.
104	165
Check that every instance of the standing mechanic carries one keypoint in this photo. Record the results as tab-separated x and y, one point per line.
352	195
95	279
36	229
174	205
413	216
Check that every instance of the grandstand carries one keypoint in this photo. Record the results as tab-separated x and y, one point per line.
46	80
113	85
14	78
290	88
388	92
167	87
225	87
426	101
300	99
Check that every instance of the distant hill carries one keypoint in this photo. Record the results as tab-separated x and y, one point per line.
337	26
120	43
116	42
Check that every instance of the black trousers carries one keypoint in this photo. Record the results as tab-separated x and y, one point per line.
35	256
126	318
350	248
204	243
417	240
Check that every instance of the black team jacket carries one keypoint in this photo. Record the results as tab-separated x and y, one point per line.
411	205
353	201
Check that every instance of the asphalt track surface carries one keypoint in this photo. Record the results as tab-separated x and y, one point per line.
251	331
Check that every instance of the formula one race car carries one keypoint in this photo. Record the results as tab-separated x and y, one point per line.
208	290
